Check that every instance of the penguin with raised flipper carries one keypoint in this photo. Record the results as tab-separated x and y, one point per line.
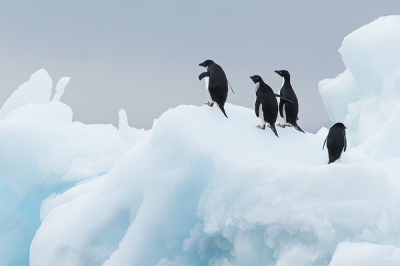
266	106
216	84
336	141
287	110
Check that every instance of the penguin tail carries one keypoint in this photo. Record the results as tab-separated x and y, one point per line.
274	129
222	109
333	159
298	128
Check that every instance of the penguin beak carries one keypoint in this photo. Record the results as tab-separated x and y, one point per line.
277	72
202	64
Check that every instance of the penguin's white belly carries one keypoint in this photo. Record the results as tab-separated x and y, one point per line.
284	114
256	86
261	115
207	80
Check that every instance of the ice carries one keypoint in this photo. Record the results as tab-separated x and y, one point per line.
184	198
201	189
61	84
337	94
366	254
364	95
44	152
322	133
36	91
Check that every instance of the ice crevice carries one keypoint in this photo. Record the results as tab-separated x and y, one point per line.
200	189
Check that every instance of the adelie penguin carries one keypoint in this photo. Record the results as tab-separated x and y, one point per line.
266	104
336	142
216	84
287	110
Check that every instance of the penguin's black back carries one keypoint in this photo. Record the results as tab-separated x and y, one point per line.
291	109
267	98
217	84
336	141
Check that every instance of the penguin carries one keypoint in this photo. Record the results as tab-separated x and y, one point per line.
216	84
266	106
288	111
336	141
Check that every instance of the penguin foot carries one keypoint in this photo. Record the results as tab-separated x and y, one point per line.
269	125
260	127
209	104
280	125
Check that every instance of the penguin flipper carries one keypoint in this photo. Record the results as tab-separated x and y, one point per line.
324	143
345	143
203	75
259	95
298	128
272	126
222	109
283	98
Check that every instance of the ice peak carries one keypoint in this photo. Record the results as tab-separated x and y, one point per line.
37	90
61	84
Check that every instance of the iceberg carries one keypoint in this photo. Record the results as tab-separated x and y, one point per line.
366	95
200	189
43	152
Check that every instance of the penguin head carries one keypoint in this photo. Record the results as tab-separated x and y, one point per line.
256	78
207	63
340	125
283	73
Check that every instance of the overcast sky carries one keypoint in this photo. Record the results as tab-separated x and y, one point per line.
143	56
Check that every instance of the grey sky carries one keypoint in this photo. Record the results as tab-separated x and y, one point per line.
143	56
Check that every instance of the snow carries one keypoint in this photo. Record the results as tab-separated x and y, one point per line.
201	189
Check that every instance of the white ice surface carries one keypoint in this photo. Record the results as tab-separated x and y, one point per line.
201	189
36	91
43	152
61	84
365	254
364	96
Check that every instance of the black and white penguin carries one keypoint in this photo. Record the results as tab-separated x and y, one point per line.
287	110
336	141
216	84
266	106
